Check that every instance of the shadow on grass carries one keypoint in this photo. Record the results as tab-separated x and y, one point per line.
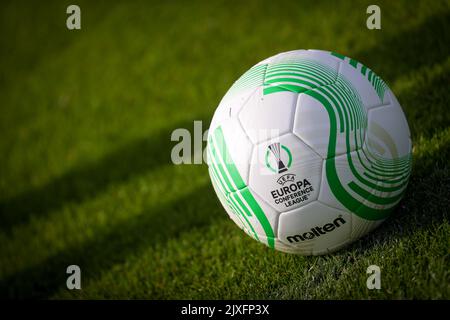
85	182
422	46
26	41
426	106
153	226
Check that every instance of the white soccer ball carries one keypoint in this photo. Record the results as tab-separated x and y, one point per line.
308	151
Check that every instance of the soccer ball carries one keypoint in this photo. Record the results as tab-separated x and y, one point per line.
308	151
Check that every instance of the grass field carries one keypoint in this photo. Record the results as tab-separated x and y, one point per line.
85	170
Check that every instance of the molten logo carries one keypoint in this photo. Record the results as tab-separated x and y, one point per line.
317	231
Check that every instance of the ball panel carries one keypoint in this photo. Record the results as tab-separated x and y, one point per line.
258	218
271	214
285	172
223	198
361	227
323	58
266	116
402	117
338	111
230	105
244	207
227	159
348	183
312	125
369	86
326	195
239	153
388	134
314	228
280	246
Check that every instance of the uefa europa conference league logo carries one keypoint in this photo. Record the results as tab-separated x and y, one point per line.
278	160
275	149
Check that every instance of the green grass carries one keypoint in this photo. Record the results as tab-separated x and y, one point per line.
85	170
